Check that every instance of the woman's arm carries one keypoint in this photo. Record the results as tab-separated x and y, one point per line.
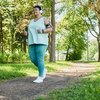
48	25
25	32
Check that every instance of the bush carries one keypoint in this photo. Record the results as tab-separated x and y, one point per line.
75	55
2	58
16	56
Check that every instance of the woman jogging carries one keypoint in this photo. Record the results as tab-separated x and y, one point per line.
38	30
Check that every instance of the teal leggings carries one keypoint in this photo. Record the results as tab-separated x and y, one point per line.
37	53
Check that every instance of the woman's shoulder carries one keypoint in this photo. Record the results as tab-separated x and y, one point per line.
31	20
46	20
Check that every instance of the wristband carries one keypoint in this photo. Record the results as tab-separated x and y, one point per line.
42	31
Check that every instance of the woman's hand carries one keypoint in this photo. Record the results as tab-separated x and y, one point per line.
39	30
25	33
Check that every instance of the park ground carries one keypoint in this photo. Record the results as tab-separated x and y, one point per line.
64	81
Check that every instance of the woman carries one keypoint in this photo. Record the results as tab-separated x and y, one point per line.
38	30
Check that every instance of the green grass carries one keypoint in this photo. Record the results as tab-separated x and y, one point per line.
96	64
9	71
88	88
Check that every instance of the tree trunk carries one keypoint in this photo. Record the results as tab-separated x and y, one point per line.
52	36
99	50
98	39
1	34
24	46
67	52
12	35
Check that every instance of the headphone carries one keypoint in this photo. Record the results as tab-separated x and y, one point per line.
41	11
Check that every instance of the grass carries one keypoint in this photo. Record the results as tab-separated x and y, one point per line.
96	63
88	88
10	71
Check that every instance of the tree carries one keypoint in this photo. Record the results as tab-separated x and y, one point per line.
15	17
92	16
12	12
1	34
52	36
74	28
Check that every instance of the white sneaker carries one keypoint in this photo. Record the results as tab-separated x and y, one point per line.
38	80
44	73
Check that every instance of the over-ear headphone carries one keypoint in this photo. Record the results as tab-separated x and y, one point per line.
41	11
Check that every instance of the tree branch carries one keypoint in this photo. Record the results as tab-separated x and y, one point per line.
96	11
88	27
59	2
80	3
90	21
92	25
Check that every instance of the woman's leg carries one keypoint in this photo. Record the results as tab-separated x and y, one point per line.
32	53
40	53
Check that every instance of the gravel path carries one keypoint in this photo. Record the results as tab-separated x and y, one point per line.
25	89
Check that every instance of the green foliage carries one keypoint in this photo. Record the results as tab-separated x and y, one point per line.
16	56
92	50
16	15
75	55
72	29
12	14
2	60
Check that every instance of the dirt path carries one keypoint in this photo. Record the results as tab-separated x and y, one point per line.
24	89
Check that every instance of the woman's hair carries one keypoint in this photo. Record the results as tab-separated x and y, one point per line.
37	6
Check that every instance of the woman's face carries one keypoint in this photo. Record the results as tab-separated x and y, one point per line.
36	11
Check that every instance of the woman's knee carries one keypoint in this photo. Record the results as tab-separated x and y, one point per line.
33	60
